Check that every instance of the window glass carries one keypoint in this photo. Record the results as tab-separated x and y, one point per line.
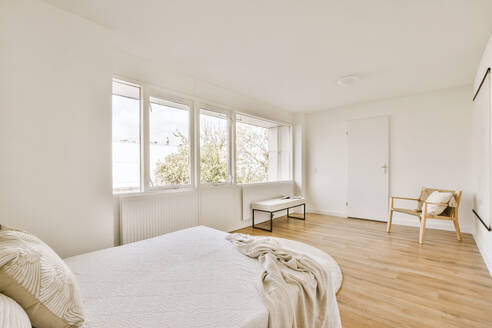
263	150
126	136
169	149
214	147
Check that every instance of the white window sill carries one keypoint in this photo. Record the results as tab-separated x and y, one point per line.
268	183
189	188
153	192
210	186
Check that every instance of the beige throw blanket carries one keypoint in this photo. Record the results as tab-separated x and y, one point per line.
297	290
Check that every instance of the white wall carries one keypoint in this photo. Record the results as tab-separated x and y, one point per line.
482	236
227	207
221	208
430	136
55	119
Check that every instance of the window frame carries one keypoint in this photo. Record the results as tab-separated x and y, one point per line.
171	101
291	141
130	82
230	179
194	106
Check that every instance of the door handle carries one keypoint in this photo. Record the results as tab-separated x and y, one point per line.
385	168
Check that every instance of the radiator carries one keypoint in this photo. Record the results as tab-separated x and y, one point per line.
147	216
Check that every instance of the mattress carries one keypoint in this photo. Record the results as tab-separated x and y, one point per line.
277	204
189	278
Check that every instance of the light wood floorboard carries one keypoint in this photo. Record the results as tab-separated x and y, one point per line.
389	280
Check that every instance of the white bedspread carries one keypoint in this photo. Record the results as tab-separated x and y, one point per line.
189	278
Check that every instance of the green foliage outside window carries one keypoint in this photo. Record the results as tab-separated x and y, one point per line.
213	153
251	162
252	153
174	168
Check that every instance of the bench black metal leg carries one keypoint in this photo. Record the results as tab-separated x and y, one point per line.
260	228
295	217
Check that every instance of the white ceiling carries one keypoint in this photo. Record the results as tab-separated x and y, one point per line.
289	53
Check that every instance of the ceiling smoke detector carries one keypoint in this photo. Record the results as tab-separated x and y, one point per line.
348	80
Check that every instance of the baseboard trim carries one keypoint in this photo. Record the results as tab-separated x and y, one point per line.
484	251
247	223
432	224
331	213
410	222
243	225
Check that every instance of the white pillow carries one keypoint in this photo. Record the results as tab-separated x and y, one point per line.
33	275
12	314
437	197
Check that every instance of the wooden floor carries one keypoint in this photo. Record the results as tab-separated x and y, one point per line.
389	280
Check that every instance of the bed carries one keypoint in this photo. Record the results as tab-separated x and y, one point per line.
189	278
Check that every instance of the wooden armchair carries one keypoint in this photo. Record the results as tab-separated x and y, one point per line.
450	213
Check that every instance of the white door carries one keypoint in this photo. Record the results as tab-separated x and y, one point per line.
368	169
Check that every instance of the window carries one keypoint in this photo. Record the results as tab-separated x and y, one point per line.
126	136
263	150
214	147
154	143
169	143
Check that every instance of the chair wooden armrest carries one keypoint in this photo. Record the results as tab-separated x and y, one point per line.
403	198
406	198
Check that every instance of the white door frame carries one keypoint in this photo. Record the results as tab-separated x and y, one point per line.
388	161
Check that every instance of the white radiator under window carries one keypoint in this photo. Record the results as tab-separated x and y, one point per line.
147	216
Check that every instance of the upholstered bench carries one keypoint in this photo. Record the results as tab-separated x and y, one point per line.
275	205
